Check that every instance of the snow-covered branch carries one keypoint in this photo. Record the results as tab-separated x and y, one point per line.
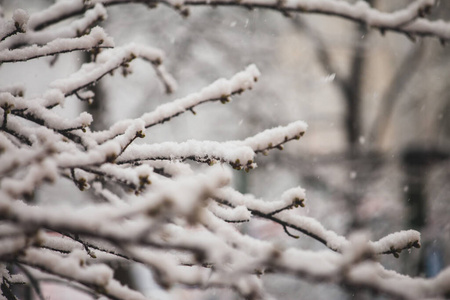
95	39
96	277
143	203
75	28
409	21
239	154
108	61
359	12
17	24
220	90
277	211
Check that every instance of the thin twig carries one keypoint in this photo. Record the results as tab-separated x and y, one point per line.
33	281
290	234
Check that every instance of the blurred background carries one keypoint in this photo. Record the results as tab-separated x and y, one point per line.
375	157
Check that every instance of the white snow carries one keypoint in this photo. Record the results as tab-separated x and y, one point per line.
294	194
398	240
60	8
72	30
196	150
18	23
69	267
154	208
20	18
276	136
239	213
97	37
222	87
107	61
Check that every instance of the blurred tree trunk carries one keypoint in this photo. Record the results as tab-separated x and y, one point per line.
353	93
417	162
96	107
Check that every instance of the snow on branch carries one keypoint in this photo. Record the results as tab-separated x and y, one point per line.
66	9
424	27
32	110
369	275
276	137
97	277
395	242
98	155
359	11
201	151
108	61
373	275
239	154
320	266
277	211
75	28
95	39
220	90
17	90
25	186
182	197
144	203
409	21
60	11
17	24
